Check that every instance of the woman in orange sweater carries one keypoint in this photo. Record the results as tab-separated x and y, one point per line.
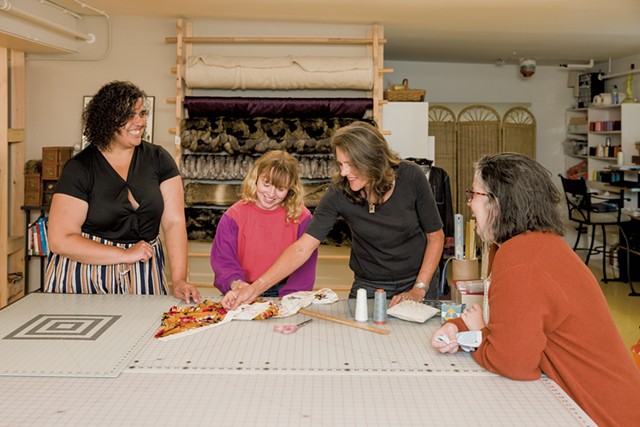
544	312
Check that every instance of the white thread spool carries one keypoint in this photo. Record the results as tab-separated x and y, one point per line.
362	311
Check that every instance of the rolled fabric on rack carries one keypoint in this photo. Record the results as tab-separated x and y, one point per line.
215	106
282	72
224	167
260	134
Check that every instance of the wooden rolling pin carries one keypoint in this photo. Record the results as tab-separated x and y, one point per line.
344	321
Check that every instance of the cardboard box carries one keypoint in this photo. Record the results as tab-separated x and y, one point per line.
467	292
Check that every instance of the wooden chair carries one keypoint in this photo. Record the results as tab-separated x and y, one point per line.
586	213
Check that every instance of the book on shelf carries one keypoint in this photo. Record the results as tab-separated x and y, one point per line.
44	243
626	167
37	235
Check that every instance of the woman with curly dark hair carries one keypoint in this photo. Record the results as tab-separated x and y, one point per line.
396	230
110	202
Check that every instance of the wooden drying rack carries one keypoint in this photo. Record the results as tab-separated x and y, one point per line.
184	49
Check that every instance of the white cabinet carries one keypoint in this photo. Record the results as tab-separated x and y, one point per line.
408	123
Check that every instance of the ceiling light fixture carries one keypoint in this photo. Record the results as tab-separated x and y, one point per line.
527	67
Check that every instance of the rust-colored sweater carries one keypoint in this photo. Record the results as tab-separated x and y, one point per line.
548	315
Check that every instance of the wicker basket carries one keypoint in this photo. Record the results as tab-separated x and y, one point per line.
402	93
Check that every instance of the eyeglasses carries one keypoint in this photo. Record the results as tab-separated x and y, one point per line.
470	193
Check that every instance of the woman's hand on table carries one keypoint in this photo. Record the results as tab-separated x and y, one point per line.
415	294
186	291
449	330
238	296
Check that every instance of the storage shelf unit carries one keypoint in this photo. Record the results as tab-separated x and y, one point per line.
628	134
12	157
576	149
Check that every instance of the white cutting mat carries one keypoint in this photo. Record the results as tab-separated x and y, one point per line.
76	335
320	346
293	399
54	348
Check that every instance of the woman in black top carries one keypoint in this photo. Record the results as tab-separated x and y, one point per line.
110	202
396	230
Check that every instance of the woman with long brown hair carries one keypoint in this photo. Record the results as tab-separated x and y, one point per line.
396	230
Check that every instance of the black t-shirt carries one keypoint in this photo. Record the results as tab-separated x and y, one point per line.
89	177
390	243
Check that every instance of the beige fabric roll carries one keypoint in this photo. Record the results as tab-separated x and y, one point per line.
288	72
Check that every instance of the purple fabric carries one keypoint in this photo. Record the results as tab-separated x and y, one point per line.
215	106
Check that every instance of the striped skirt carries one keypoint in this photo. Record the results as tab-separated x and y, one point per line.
145	278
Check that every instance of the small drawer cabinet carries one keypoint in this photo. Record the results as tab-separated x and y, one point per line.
32	190
53	160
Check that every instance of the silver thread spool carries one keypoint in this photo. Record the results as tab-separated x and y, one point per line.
380	307
362	311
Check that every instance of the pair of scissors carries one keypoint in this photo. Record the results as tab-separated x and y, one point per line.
289	329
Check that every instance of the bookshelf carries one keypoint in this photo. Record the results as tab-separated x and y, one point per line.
29	212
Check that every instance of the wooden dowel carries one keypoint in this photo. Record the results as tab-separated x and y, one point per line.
276	40
344	321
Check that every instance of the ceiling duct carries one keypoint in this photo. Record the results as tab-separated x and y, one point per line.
33	27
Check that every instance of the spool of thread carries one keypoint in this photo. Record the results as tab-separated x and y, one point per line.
362	312
380	307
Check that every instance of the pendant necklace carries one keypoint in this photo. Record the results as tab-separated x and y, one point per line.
372	205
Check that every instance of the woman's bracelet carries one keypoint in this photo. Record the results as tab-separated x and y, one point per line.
233	283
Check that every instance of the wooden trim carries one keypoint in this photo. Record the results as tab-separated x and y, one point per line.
4	178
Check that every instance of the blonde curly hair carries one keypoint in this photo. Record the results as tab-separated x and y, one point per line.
281	170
